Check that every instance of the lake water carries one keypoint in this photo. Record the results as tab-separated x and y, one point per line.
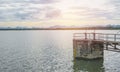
49	51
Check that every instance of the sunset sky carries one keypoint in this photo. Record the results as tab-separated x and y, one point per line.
59	12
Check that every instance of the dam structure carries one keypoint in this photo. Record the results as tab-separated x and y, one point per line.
92	45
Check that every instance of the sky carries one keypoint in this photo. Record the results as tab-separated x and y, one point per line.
41	13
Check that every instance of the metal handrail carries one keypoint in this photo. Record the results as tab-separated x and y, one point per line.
97	36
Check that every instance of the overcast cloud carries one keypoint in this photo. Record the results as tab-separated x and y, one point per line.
38	10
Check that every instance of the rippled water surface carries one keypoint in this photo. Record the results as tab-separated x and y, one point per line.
49	51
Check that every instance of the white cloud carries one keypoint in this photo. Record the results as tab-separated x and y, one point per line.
95	9
26	12
29	1
38	10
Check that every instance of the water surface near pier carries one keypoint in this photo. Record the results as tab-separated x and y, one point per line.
49	51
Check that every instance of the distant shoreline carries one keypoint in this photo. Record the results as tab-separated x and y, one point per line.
62	29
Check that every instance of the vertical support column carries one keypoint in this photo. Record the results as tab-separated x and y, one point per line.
115	41
115	46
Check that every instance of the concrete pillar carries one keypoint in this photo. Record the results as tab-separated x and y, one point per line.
88	49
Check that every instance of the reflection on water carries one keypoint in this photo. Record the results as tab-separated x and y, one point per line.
48	51
88	65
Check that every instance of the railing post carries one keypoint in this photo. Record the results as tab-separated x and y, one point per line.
115	46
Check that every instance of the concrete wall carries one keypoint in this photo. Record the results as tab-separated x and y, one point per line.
88	49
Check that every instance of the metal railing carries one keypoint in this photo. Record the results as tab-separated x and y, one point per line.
97	36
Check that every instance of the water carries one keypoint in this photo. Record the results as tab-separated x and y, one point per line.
49	51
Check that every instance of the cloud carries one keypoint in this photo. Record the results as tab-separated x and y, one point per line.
116	5
31	12
108	9
29	1
94	13
39	10
53	14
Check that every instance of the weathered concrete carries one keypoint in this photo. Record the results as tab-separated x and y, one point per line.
88	49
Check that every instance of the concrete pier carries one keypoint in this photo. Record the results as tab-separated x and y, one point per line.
91	45
88	49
